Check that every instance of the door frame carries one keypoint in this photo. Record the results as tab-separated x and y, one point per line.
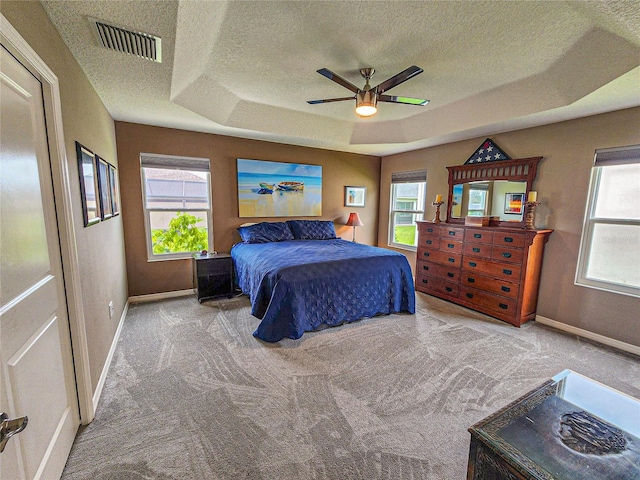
17	46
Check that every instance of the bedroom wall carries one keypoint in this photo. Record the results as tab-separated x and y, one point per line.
85	119
562	183
338	170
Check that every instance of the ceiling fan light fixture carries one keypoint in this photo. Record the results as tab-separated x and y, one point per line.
366	103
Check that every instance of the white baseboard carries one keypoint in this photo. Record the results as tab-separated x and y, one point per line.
627	347
107	363
152	297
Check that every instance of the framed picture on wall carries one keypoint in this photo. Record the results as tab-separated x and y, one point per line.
513	203
106	207
278	189
113	187
354	196
88	172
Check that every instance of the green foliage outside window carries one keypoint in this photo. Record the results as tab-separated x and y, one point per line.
182	235
405	234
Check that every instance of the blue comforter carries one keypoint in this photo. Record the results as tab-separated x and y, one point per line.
300	285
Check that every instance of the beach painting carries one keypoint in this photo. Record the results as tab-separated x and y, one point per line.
277	189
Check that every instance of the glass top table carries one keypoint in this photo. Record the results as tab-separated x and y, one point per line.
570	427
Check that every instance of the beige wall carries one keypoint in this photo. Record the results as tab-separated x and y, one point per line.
338	170
562	183
85	119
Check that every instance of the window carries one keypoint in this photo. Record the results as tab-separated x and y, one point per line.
477	200
177	205
407	206
609	257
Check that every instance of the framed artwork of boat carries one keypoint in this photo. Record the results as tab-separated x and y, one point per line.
278	189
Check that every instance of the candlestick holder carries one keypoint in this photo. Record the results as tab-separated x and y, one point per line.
436	219
530	214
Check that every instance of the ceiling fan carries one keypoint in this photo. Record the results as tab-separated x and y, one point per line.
367	98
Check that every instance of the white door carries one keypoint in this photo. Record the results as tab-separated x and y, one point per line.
36	376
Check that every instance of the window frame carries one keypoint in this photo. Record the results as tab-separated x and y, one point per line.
169	162
419	177
611	157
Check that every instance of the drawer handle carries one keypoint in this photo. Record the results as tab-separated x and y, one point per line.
469	295
505	289
425	267
424	280
473	264
429	230
506	271
477	235
506	254
452	233
452	260
426	254
449	274
508	239
448	289
429	242
476	249
471	279
503	306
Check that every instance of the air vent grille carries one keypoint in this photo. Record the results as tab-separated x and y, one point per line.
120	39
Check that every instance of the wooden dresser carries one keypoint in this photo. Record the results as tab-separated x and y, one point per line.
494	270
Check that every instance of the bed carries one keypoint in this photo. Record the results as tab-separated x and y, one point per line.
300	277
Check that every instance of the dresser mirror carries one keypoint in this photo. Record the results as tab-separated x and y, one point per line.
494	189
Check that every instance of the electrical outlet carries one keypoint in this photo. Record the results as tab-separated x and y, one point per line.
111	309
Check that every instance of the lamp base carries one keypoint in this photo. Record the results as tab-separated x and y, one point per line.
436	219
529	215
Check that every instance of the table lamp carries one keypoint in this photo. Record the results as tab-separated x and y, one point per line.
354	221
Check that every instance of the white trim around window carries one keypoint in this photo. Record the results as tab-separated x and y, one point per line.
173	185
609	256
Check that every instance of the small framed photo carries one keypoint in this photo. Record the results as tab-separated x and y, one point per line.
113	186
354	196
106	207
513	203
88	170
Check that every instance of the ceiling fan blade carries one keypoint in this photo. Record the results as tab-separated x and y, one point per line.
329	100
405	100
396	80
338	79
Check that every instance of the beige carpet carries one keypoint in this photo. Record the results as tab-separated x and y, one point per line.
191	394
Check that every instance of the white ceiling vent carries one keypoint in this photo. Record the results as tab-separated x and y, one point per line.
123	40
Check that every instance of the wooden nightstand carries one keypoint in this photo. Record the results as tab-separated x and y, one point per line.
213	275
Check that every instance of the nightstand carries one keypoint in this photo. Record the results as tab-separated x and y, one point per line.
213	275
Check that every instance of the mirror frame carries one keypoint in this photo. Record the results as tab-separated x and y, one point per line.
520	170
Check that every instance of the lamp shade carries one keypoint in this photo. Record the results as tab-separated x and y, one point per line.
354	220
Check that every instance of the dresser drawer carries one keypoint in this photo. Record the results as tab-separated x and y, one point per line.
506	254
509	239
456	233
427	283
477	249
451	274
438	256
432	242
479	235
496	303
453	246
503	271
429	229
489	284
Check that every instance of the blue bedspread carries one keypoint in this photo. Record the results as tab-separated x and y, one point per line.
300	285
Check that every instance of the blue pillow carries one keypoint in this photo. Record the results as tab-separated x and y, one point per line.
312	229
265	232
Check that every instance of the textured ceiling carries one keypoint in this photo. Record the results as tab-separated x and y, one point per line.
247	68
